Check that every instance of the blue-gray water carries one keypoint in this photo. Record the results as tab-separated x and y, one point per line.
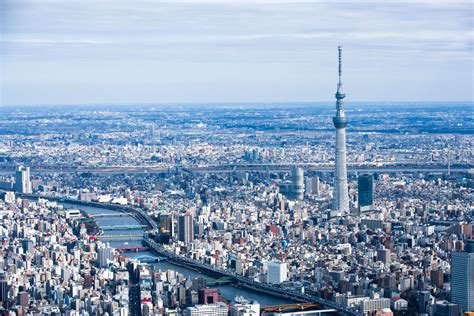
227	291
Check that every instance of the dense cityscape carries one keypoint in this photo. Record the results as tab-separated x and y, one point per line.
155	159
197	210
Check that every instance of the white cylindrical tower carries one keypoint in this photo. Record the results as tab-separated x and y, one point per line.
341	196
298	183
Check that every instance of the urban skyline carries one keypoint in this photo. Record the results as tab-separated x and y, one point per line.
245	220
187	193
118	197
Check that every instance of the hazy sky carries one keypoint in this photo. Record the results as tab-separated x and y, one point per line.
84	51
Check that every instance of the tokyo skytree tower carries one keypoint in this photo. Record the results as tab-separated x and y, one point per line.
341	196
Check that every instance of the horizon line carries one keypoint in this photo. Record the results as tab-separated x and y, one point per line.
235	103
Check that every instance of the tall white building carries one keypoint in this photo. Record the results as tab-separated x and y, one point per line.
277	272
297	183
462	277
341	195
104	254
22	180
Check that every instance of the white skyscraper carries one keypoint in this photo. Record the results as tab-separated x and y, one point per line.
277	272
22	180
297	183
341	196
104	255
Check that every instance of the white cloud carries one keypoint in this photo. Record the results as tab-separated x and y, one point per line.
386	40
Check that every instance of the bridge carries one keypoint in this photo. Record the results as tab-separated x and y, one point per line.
122	227
132	248
121	237
115	214
150	259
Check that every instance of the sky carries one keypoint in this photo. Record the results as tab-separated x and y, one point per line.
155	52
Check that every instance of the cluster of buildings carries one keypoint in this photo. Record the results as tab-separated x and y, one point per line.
51	266
390	241
52	139
383	252
395	249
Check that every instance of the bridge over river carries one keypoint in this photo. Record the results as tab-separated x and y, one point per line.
122	227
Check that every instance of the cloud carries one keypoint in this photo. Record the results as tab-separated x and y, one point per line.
385	39
40	41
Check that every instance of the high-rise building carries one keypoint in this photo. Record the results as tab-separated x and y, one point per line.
424	300
311	185
341	194
3	291
316	185
462	277
277	272
104	254
365	187
384	255
297	183
22	180
444	308
308	185
185	228
166	224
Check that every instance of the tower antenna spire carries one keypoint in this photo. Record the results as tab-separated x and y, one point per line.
340	62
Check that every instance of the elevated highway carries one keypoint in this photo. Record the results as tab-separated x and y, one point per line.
245	167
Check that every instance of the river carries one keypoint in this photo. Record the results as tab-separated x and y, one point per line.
228	291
